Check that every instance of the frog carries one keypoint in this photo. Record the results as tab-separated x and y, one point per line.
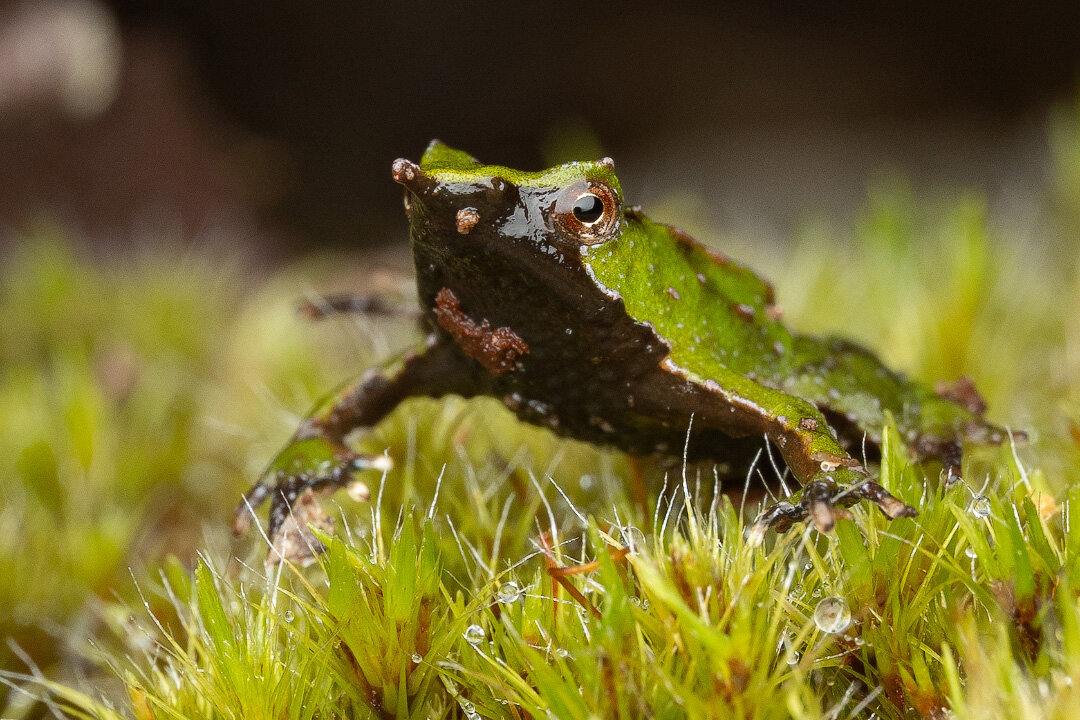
548	291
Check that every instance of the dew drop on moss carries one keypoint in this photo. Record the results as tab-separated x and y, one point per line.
474	635
288	615
508	592
980	506
832	615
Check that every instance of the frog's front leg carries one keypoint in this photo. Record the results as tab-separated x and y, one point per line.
317	460
831	478
825	498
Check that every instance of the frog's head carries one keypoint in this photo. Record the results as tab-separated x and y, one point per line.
459	206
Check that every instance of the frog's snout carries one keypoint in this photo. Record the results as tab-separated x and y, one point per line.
407	173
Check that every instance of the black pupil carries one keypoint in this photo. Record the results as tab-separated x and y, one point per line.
588	209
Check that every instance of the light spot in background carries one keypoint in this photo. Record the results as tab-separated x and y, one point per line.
59	54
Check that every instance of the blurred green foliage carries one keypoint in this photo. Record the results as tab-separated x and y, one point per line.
102	375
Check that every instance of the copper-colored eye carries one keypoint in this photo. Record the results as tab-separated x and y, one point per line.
587	212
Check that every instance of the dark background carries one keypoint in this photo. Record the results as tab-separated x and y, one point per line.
278	120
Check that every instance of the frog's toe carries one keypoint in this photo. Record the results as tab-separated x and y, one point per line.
892	506
817	498
781	515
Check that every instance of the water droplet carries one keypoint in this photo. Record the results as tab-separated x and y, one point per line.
474	634
468	707
980	506
562	653
508	592
632	538
832	615
585	482
970	552
288	615
794	657
417	658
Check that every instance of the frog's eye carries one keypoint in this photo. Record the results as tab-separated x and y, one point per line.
587	212
588	208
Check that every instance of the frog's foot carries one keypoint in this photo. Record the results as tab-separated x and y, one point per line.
305	469
824	501
291	535
952	454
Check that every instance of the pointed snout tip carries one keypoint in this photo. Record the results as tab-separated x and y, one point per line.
405	172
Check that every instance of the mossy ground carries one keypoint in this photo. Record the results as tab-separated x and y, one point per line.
499	572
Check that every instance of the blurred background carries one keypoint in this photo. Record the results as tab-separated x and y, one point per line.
281	120
175	175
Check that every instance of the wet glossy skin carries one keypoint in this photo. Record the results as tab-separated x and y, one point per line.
582	315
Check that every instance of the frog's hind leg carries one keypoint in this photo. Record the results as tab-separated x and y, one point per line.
958	410
320	307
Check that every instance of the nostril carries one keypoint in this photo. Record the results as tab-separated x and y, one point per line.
499	191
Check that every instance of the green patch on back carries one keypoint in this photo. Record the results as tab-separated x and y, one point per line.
711	311
716	316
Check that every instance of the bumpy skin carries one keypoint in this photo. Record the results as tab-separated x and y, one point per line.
617	330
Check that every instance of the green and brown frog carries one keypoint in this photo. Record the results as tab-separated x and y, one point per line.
547	291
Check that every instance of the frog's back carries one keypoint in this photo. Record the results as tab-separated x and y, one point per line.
719	319
716	315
